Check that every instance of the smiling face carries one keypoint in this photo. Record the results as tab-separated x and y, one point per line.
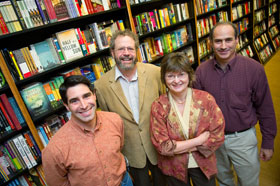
224	43
124	53
177	82
81	102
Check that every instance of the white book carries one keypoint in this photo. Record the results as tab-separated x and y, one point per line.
36	59
27	150
22	152
69	45
105	4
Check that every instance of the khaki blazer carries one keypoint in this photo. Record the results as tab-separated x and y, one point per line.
110	97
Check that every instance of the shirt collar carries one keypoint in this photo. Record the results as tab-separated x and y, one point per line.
230	64
118	75
83	129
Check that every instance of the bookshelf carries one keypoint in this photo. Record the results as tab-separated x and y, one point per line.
257	21
208	13
164	27
29	36
243	17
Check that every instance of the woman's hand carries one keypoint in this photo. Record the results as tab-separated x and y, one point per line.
203	137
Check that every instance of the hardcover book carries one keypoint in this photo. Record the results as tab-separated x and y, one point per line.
36	100
69	45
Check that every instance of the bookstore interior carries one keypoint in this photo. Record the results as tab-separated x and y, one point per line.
40	39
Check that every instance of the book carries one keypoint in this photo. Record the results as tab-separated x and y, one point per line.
50	10
36	100
46	53
22	63
17	111
69	45
60	10
7	117
10	111
21	151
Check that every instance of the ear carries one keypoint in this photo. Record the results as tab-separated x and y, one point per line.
66	106
112	53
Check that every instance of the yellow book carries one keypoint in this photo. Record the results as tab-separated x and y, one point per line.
16	65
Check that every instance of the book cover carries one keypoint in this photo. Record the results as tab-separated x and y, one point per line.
69	45
36	100
46	56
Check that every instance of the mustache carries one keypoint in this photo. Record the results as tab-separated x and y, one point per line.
126	58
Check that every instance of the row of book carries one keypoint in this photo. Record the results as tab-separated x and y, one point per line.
273	31
204	25
240	10
63	47
159	18
51	125
204	47
242	41
261	41
16	154
203	6
259	4
164	44
276	41
35	177
259	28
271	20
132	2
242	25
16	15
11	118
259	15
43	98
272	9
266	53
246	51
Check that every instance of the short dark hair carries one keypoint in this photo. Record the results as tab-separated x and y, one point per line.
177	62
211	35
72	81
124	33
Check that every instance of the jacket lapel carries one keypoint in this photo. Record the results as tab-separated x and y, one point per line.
142	79
117	89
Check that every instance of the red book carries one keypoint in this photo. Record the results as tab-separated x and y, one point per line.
3	25
10	111
7	116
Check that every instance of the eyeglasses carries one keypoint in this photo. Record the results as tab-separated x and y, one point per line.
123	49
173	76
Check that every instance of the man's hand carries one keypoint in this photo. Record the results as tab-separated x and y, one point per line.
266	154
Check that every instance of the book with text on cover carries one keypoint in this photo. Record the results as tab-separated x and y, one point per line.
36	100
69	45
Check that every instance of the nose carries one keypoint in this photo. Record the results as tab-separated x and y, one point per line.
176	79
83	104
223	44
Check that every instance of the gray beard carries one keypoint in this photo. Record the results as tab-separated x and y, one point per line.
124	67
